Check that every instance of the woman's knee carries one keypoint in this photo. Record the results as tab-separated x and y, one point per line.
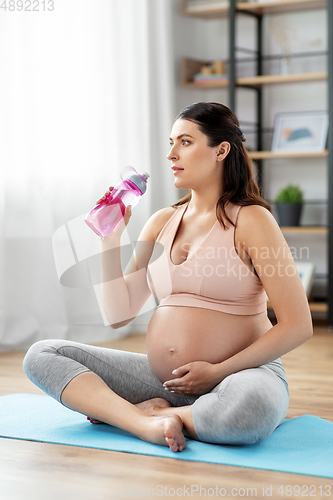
47	367
254	417
36	355
245	412
256	410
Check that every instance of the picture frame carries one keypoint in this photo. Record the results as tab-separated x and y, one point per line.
300	132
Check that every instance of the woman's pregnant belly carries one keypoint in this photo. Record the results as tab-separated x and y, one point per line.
178	335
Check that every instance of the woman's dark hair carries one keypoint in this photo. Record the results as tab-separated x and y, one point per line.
219	124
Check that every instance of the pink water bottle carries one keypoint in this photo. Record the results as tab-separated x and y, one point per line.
105	217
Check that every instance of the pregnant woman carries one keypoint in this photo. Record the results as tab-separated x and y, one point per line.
213	370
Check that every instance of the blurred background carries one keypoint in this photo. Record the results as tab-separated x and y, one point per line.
87	88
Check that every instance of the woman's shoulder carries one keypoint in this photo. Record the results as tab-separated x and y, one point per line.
256	219
254	213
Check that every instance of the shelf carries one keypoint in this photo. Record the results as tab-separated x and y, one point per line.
278	7
257	8
305	230
259	81
318	306
269	155
192	85
256	81
191	67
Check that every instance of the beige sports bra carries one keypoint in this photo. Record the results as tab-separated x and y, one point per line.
212	277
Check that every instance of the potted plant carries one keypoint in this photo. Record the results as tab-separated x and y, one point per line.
289	204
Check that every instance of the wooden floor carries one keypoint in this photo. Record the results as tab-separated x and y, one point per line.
40	471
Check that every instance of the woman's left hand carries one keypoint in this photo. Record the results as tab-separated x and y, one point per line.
197	377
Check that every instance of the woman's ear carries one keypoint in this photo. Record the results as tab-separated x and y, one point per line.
223	150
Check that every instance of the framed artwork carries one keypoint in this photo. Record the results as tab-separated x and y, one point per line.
304	132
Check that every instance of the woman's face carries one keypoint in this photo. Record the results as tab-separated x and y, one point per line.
194	163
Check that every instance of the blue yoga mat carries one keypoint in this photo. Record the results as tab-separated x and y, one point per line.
303	445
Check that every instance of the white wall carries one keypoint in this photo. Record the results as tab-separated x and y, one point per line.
83	92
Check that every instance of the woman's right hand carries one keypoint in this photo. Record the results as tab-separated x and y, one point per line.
105	195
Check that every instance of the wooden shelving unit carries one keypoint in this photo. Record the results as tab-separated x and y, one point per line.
257	83
260	81
215	85
318	307
257	8
192	66
264	8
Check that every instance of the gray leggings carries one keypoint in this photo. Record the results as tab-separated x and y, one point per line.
242	409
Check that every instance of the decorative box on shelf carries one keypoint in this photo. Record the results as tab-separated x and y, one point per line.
201	78
198	72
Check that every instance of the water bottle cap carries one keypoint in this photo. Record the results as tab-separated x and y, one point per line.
140	181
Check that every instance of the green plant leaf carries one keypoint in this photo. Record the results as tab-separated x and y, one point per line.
289	194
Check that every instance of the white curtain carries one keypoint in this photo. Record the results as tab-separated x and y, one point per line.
85	89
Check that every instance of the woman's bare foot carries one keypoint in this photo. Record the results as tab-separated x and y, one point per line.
166	431
160	408
163	430
94	421
152	406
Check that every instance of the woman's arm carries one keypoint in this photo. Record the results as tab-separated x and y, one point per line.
124	294
117	303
